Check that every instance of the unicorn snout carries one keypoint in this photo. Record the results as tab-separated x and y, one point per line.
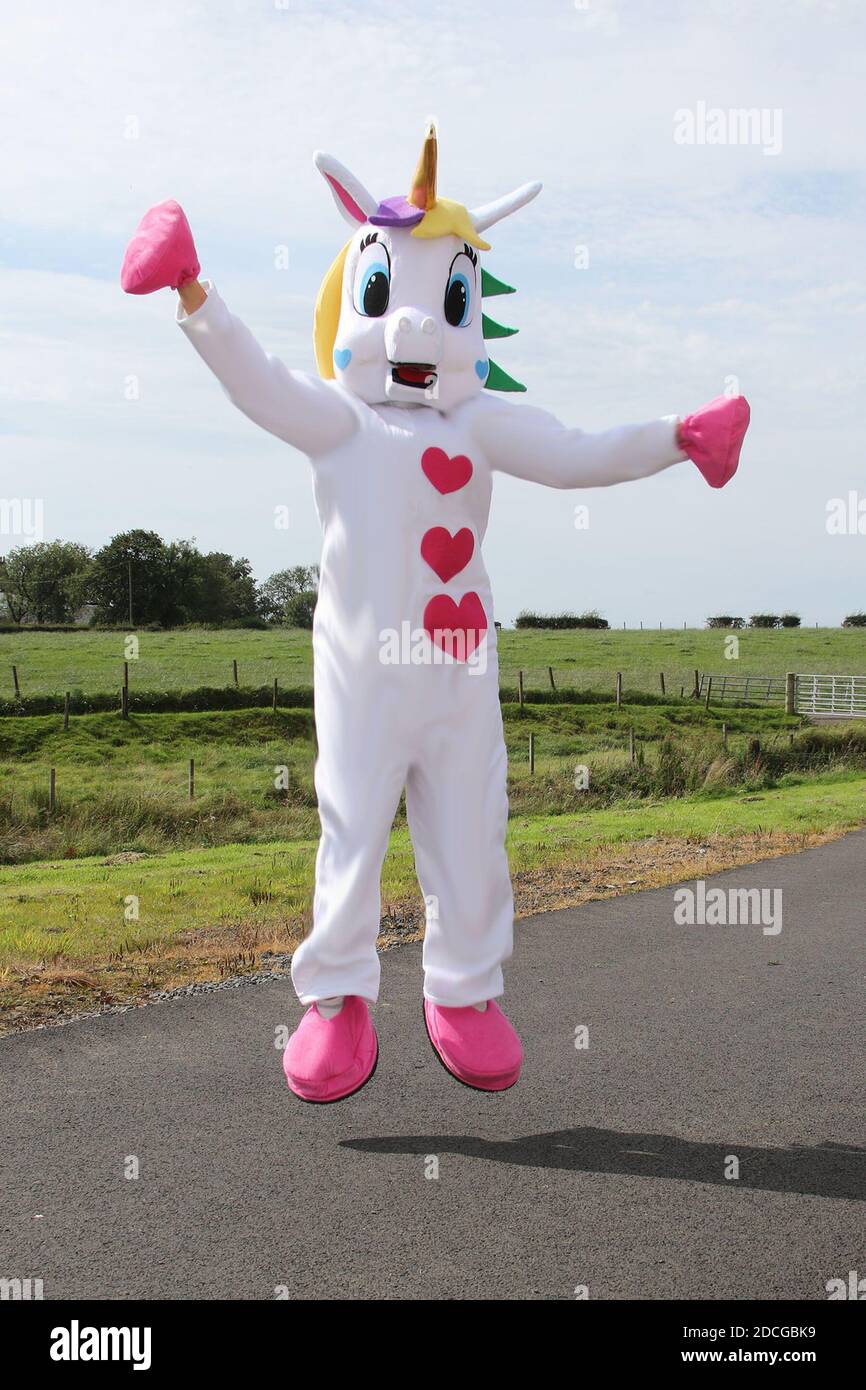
413	336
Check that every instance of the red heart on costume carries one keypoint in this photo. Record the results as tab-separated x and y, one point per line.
456	628
446	474
447	555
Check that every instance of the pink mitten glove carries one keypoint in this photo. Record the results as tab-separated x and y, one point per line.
713	437
161	253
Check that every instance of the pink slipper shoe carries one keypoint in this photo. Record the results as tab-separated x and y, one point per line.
713	437
161	254
327	1059
481	1049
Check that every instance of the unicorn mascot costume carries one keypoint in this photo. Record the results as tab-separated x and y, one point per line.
405	426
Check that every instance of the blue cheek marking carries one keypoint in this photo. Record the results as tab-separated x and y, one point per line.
482	367
343	356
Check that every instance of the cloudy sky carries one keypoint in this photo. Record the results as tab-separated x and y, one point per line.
708	264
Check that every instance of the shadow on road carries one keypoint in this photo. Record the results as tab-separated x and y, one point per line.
826	1170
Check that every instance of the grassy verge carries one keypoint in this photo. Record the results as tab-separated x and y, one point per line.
80	934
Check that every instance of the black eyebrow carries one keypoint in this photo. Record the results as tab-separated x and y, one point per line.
473	255
373	236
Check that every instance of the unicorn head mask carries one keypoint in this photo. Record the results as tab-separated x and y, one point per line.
398	316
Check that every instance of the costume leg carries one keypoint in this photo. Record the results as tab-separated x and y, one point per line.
360	772
457	806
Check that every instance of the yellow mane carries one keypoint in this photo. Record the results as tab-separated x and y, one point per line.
326	316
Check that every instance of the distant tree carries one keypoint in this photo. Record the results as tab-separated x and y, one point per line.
45	582
764	620
171	583
156	575
277	592
790	620
300	609
225	590
855	620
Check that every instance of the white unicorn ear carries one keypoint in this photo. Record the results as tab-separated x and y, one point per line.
489	213
352	198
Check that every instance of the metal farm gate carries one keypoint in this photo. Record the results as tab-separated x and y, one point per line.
750	690
832	697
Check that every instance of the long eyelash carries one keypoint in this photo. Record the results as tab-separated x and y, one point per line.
368	240
473	255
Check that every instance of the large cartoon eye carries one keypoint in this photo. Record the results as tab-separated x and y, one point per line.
459	291
372	279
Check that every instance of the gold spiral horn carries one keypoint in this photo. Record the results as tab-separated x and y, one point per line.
422	193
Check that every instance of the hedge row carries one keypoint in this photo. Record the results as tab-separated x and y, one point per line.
219	698
561	620
165	701
765	620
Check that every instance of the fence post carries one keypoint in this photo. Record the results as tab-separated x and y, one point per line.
552	681
709	690
631	746
618	689
724	735
235	670
275	694
17	686
790	693
124	702
662	681
697	690
126	675
520	688
191	778
66	712
52	788
532	752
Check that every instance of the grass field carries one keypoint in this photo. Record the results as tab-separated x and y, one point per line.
92	662
130	885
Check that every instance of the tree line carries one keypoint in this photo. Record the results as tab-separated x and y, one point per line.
139	579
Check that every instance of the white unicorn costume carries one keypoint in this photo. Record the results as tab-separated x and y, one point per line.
404	433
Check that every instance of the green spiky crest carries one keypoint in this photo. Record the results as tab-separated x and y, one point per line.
491	286
491	329
497	379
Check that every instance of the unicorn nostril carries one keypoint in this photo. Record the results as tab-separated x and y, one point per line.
428	325
404	325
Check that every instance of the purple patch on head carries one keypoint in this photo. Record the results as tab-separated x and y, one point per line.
396	212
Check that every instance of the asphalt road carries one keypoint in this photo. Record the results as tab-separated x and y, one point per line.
605	1167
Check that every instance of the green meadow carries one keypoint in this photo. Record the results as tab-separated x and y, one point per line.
91	662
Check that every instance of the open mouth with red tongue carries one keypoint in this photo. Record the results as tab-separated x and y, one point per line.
418	374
